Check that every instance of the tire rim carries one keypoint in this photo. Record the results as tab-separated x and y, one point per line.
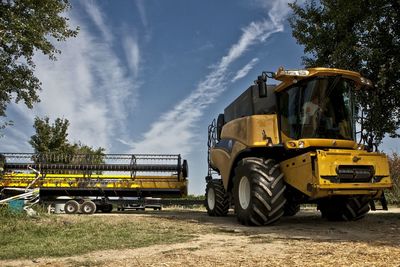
244	192
87	208
211	198
70	208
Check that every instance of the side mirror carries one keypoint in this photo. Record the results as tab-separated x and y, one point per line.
262	85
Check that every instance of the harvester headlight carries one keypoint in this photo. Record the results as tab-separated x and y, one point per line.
296	72
365	81
301	144
291	144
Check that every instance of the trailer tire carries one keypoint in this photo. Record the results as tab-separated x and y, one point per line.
88	207
344	209
217	202
71	207
259	190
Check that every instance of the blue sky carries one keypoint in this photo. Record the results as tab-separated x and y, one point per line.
149	76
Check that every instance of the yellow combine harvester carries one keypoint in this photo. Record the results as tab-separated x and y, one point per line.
91	181
278	146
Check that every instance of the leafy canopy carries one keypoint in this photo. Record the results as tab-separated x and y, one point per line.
359	35
27	26
52	137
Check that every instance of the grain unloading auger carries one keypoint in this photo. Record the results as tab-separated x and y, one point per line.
102	176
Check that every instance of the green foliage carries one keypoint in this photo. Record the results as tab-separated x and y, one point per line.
52	138
359	35
393	195
27	26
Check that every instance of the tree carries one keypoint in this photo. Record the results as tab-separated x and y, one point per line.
53	138
50	138
52	146
360	35
27	26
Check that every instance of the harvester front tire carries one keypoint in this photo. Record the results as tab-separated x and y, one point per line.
88	207
259	190
217	202
344	209
71	207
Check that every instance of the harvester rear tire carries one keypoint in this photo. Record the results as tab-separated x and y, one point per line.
71	207
259	189
88	207
344	209
217	202
291	209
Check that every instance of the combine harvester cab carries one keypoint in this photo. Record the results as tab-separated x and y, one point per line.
278	146
94	182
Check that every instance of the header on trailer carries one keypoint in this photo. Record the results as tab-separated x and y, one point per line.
146	175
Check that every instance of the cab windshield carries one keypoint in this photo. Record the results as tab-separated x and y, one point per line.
318	108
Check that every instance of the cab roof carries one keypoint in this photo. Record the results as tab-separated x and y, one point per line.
289	77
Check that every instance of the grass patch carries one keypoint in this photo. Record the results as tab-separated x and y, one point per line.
68	235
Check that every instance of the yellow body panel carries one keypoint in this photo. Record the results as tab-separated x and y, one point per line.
300	174
73	181
224	161
253	131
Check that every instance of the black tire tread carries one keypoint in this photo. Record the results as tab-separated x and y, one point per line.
267	191
344	209
291	209
221	206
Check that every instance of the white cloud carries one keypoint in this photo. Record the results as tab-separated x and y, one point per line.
142	12
98	18
173	132
132	52
88	85
245	70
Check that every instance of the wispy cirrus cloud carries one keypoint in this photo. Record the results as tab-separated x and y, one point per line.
245	70
88	84
98	18
173	132
132	53
142	12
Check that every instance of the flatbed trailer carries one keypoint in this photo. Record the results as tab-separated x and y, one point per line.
94	182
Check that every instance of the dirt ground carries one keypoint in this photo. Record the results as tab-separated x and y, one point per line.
301	240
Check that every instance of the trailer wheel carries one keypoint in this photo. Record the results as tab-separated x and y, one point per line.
217	202
88	207
71	207
258	191
344	209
